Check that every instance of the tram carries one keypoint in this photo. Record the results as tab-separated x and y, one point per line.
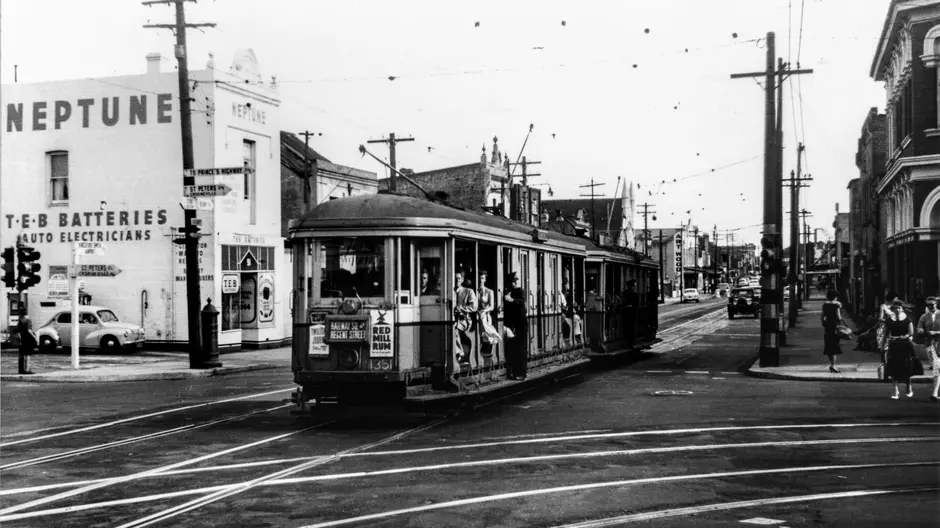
377	280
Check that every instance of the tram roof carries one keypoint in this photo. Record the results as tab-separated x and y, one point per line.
395	211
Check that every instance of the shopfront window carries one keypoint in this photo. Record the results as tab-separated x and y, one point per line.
352	265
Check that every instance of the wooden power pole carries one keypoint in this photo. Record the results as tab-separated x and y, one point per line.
391	140
311	191
191	240
646	232
592	185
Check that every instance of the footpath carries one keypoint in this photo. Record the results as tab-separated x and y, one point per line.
802	357
135	366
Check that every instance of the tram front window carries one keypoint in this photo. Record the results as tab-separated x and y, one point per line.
352	265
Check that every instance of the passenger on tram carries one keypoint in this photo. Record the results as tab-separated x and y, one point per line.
428	287
489	335
465	305
514	319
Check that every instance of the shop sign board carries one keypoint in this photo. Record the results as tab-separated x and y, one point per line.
383	335
230	283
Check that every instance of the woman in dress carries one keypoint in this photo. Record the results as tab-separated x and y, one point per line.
899	329
832	318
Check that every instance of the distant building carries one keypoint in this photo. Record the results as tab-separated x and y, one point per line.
328	180
842	248
906	60
613	218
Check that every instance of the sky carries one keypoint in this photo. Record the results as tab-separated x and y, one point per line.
613	89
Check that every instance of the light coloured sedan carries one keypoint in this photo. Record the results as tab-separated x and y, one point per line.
98	328
690	295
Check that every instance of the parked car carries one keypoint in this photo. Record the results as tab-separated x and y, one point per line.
744	301
690	295
98	328
743	282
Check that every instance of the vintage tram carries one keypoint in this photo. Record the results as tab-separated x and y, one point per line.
377	279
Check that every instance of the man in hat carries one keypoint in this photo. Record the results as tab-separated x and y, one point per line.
631	303
28	342
928	326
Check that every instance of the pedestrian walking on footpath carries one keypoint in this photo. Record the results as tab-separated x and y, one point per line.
884	313
831	319
928	326
516	326
28	342
900	361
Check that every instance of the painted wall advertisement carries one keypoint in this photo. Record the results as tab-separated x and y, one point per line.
58	282
383	337
266	298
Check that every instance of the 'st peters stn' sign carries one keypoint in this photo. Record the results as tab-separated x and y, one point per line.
133	110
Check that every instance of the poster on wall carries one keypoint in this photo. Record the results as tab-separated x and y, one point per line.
247	296
266	298
58	282
383	337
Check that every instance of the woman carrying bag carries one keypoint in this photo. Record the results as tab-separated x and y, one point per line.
831	320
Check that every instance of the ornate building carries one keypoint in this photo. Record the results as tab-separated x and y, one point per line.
907	59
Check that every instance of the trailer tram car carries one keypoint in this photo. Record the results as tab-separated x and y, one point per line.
374	292
615	325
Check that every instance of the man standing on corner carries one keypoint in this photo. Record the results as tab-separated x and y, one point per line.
28	342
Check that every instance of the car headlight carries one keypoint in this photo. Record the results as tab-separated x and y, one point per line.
126	333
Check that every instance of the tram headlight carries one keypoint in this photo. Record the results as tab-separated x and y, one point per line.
349	358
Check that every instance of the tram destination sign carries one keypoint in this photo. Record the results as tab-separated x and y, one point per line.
348	329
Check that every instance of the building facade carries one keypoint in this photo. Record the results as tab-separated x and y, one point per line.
906	59
100	160
865	213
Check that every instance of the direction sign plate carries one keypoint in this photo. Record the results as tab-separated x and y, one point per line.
210	190
216	171
90	248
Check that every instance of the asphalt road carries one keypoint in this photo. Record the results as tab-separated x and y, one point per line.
677	437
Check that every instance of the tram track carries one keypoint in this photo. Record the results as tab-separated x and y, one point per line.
286	476
121	421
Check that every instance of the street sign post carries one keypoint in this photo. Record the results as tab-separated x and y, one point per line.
209	190
90	248
216	171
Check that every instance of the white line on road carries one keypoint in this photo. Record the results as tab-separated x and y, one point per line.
724	506
651	432
131	440
245	486
596	485
659	372
697	372
141	417
154	471
491	462
536	435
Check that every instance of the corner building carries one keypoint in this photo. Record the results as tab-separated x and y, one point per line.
100	160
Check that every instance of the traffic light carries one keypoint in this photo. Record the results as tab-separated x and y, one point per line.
768	256
190	231
27	267
9	264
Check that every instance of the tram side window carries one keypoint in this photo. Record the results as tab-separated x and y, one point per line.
352	265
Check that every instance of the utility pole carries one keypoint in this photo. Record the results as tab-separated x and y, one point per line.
695	256
715	262
804	256
646	232
191	243
662	270
795	182
391	140
591	185
310	191
525	174
771	295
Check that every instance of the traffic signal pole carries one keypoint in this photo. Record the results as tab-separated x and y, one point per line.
73	286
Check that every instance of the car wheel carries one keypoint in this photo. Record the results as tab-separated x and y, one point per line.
46	344
110	344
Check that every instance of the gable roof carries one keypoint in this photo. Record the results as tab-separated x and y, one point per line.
292	153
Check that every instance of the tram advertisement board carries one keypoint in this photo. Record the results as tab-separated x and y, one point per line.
383	336
317	329
348	329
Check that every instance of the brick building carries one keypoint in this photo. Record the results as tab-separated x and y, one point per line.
906	60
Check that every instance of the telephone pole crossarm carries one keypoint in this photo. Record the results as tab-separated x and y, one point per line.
391	140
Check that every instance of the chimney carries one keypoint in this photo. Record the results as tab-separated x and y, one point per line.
153	63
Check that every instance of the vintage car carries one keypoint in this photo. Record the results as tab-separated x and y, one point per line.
98	328
690	295
723	289
744	301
